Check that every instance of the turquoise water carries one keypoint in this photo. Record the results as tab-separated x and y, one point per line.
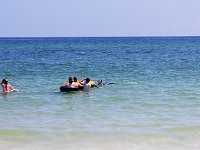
154	103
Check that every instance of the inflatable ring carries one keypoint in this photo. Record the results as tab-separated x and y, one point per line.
70	88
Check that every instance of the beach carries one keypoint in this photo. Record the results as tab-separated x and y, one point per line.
153	105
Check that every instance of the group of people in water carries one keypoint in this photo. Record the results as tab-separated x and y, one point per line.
84	84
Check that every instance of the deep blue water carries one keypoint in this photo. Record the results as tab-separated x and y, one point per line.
156	90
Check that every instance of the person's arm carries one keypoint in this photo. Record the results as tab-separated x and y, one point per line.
12	88
80	85
82	81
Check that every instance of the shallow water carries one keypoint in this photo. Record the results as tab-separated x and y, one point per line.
154	103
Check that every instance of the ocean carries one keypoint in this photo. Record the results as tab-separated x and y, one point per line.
154	103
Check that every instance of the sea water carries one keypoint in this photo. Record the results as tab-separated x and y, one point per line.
154	103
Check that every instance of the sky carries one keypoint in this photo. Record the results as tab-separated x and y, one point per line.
99	18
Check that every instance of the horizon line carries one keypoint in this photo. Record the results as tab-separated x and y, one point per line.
100	36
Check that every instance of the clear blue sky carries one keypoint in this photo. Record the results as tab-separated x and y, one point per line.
69	18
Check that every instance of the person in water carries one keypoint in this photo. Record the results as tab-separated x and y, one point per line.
100	82
92	83
71	83
87	85
76	83
75	79
6	87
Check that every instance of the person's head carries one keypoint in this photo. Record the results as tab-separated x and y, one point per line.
75	79
87	80
70	80
99	82
4	81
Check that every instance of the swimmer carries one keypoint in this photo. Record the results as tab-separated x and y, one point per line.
87	85
100	83
92	83
6	87
76	83
71	83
